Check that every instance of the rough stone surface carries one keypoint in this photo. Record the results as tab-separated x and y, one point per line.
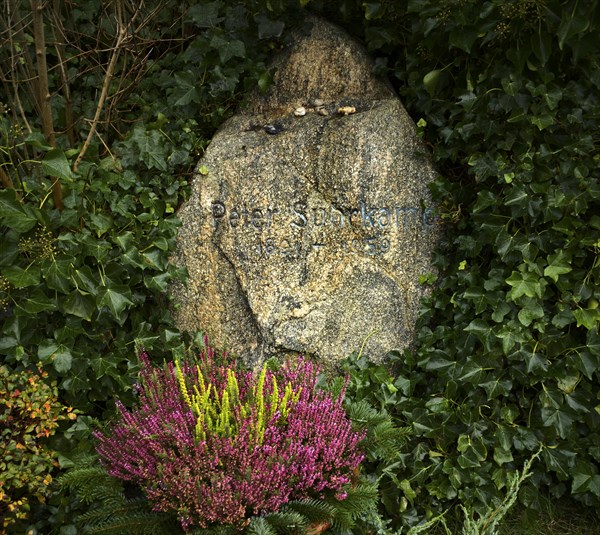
307	234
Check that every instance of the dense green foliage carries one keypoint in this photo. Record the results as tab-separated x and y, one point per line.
506	95
84	271
81	283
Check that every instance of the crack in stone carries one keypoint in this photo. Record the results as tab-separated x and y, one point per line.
260	336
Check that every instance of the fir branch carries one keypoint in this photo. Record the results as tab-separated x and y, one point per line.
260	526
360	499
287	523
216	530
313	510
384	439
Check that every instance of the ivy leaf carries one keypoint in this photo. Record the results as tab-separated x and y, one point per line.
264	82
483	331
430	81
541	44
103	366
13	214
479	297
100	223
80	305
587	317
22	278
558	264
206	15
585	479
485	199
557	418
55	164
58	354
531	311
510	334
516	196
502	456
38	141
587	363
593	342
158	283
536	363
571	25
57	275
543	121
148	146
500	311
187	89
496	387
373	10
463	38
85	279
471	372
36	302
559	460
267	28
117	299
524	283
407	490
228	48
473	451
156	259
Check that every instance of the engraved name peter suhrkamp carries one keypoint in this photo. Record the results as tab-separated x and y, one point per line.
299	215
378	221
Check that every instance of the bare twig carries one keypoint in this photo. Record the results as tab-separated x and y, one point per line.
14	30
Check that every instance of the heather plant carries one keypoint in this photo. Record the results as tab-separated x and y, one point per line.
216	445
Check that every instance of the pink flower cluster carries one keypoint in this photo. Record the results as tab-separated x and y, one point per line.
223	480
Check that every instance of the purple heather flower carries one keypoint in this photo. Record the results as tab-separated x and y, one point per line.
224	480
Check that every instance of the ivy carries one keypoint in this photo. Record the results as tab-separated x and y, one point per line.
506	95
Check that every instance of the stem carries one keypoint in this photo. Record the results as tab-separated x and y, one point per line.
43	92
5	179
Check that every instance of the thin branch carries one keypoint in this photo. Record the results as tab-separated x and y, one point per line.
59	45
123	31
105	86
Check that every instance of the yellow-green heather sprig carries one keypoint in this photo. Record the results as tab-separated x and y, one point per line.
182	385
222	414
259	400
289	399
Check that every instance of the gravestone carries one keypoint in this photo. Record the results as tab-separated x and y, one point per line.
310	219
